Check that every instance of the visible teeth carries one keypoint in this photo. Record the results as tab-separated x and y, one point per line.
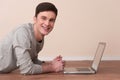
45	27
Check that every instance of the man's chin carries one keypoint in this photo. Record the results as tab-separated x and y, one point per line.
44	34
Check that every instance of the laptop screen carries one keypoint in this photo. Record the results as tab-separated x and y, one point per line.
98	55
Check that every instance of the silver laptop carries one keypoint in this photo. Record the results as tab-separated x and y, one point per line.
94	67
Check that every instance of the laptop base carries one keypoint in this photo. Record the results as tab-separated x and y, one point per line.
79	70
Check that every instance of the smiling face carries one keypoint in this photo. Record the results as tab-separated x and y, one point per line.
43	24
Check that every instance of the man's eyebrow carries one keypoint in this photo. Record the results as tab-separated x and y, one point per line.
52	19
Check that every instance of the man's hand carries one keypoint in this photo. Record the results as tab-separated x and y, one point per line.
56	65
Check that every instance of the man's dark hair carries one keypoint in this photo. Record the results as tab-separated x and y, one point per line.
45	6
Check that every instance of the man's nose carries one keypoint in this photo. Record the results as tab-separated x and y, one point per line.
47	22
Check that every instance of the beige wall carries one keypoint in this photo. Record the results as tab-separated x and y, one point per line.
80	25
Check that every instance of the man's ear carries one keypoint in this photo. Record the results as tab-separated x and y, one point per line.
34	19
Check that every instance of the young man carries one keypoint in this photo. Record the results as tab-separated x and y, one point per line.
19	49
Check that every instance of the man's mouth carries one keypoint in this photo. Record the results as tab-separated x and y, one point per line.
45	28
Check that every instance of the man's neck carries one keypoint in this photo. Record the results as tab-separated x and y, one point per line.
38	35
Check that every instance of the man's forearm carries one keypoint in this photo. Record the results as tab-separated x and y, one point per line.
47	67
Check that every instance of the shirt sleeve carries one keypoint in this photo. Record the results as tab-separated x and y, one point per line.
21	44
37	61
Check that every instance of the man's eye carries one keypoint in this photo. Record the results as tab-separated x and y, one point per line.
44	18
52	20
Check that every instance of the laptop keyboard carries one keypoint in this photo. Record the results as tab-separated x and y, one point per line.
83	69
